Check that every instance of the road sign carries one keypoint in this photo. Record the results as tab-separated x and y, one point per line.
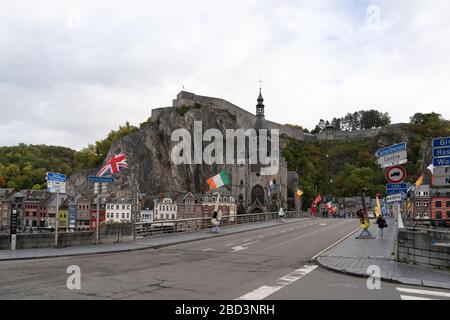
391	149
56	177
95	179
394	163
394	198
441	162
395	174
56	182
441	181
441	142
395	191
396	186
441	152
398	156
441	171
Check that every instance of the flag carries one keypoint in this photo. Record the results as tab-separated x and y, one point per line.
114	165
298	194
377	209
218	181
419	181
318	199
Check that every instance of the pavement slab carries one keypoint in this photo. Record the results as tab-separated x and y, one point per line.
354	256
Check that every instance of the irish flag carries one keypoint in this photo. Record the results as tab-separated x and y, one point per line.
218	181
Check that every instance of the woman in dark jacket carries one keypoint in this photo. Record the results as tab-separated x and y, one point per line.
381	225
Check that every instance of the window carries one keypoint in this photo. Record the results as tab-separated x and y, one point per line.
418	204
123	215
117	216
438	215
128	215
438	204
173	217
123	207
448	204
448	214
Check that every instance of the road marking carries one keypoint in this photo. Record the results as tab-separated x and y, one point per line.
209	249
425	292
229	244
334	244
243	247
414	298
299	237
322	224
265	291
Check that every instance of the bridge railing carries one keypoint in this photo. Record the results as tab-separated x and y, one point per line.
166	227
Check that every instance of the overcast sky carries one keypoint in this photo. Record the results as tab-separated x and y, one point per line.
71	71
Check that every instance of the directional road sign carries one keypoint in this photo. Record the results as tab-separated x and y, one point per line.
394	198
441	162
396	186
441	181
441	152
393	164
393	157
56	182
441	142
441	171
395	174
95	179
391	149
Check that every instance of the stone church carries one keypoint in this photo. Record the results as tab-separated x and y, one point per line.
251	188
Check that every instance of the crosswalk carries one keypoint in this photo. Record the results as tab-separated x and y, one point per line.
419	294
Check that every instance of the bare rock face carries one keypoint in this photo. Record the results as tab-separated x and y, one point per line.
148	154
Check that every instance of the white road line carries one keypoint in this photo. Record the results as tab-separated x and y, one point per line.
229	244
243	246
414	298
334	244
265	291
209	249
299	237
425	292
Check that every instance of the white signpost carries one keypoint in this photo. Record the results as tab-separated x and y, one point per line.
394	157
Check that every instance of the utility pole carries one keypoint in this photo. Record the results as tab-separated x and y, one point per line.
97	218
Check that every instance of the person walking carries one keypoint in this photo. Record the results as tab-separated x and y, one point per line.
381	222
281	214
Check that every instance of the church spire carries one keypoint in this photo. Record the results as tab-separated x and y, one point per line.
260	105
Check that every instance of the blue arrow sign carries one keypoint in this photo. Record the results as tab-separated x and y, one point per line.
395	191
56	177
95	179
396	186
441	142
441	152
441	162
392	149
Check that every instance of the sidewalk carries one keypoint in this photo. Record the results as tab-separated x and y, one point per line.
353	256
138	244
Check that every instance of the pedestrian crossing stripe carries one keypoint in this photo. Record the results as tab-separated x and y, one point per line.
423	292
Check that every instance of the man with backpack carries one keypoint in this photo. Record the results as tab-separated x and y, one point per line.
381	222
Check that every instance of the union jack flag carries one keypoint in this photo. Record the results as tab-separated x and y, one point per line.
114	165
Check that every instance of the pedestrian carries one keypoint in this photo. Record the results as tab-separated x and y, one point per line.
281	215
381	222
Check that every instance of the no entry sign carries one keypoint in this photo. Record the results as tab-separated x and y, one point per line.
395	174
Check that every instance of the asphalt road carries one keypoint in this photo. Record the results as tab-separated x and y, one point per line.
270	263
